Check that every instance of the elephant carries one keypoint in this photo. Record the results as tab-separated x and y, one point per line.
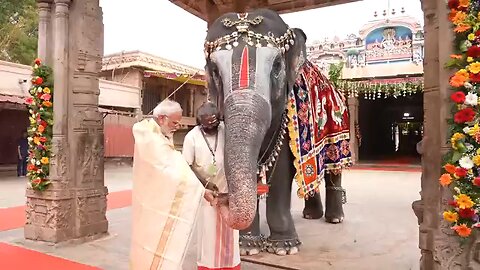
253	60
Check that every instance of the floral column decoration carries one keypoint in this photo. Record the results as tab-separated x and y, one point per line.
462	162
40	105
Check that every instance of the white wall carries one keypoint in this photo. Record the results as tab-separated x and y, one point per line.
111	93
10	76
117	94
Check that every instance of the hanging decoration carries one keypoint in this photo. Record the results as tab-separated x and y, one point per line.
377	89
462	162
40	107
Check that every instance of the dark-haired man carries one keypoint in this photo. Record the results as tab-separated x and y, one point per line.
22	151
203	149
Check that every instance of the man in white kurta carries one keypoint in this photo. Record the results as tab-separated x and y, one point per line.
166	194
203	149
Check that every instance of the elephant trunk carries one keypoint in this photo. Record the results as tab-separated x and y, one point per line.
247	118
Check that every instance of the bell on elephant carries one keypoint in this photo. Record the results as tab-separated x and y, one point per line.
257	73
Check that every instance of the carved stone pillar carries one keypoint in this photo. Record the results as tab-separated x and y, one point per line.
354	143
74	206
44	16
439	246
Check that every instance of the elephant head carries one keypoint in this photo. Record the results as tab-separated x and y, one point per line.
252	59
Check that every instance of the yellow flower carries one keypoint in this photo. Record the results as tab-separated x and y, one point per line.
474	130
464	201
450	216
476	160
47	90
36	140
455	138
458	136
470	59
474	68
45	160
462	72
471	36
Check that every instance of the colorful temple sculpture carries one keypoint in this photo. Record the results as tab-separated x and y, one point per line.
384	60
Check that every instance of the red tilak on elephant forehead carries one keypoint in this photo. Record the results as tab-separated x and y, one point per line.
243	80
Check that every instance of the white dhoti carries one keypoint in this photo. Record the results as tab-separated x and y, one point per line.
166	199
218	246
217	243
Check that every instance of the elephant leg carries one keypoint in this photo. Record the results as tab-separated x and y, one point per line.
313	207
334	198
251	241
283	238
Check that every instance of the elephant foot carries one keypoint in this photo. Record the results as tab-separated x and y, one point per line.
249	251
251	244
283	247
334	220
313	207
309	213
334	205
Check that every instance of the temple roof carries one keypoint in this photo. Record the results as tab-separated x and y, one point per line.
205	8
146	61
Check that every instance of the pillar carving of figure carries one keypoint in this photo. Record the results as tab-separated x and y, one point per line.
439	245
74	205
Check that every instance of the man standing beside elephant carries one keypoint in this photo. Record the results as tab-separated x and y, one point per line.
203	148
166	194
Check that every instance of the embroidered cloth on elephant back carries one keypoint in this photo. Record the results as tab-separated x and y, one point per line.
318	128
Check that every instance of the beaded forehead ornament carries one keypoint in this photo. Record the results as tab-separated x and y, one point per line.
242	25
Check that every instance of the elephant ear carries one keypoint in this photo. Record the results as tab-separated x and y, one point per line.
296	56
215	94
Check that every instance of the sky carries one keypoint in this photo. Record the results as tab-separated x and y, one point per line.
164	29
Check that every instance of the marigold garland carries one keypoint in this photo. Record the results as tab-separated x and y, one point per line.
462	162
40	105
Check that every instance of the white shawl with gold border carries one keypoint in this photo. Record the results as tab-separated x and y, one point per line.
166	199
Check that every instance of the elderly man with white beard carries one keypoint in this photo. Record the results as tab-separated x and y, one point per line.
166	193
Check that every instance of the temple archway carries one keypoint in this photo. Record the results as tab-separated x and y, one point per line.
77	195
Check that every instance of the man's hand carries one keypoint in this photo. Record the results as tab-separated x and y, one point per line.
211	197
211	186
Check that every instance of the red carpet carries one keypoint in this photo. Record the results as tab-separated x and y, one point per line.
17	258
14	217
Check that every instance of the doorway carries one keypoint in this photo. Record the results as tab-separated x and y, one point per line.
391	128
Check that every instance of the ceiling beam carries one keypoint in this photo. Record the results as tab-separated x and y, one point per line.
209	10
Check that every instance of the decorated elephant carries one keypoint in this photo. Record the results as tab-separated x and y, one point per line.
272	97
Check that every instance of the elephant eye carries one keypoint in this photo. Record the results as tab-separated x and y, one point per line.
277	67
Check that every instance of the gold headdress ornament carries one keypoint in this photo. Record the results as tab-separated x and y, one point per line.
227	42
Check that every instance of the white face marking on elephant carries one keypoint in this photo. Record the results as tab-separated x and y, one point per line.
269	68
223	60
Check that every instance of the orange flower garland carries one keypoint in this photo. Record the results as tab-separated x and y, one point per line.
40	105
462	167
